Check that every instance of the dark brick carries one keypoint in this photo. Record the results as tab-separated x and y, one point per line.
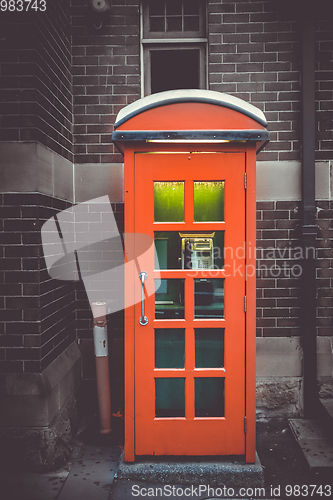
32	366
16	328
268	234
11	366
10	341
21	277
22	353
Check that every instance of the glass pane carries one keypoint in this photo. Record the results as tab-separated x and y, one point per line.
174	7
176	250
156	7
174	24
191	7
209	201
209	298
169	299
170	397
170	348
163	73
168	201
156	24
209	397
191	23
209	347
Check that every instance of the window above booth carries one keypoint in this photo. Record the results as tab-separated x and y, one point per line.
173	45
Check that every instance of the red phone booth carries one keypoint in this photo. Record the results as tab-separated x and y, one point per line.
190	185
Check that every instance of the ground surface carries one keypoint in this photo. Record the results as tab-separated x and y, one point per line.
91	473
284	464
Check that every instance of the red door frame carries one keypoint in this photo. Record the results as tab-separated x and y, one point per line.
250	346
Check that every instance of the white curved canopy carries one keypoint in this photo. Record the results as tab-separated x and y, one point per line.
189	95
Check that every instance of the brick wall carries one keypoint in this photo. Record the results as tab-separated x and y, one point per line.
106	68
278	269
324	88
36	79
38	312
254	54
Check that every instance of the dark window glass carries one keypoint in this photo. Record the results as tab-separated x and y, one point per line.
191	7
174	69
170	348
174	23
191	23
209	298
209	347
209	397
156	8
170	397
169	299
174	7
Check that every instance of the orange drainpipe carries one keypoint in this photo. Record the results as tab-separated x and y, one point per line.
102	366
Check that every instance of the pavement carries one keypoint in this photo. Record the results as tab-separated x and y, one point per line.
96	472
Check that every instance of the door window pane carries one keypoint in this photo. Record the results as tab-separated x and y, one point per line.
209	298
169	299
170	397
169	201
170	348
209	201
209	347
177	250
209	397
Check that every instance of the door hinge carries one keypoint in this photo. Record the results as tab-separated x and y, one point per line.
245	425
244	303
245	180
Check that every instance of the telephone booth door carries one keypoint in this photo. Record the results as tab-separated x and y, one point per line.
189	338
190	355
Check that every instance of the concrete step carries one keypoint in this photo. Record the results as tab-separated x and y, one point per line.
314	443
193	470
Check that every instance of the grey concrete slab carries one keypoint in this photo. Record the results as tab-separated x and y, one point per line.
93	180
98	453
328	405
277	356
91	475
193	471
34	486
316	448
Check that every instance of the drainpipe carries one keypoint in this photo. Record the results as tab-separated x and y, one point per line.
102	366
308	214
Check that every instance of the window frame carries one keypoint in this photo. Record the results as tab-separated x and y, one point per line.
173	34
171	41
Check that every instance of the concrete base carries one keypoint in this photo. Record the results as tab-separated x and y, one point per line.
40	414
215	472
314	444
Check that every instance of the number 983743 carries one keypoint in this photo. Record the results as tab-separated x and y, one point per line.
22	5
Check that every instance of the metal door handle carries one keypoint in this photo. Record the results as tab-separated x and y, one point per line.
143	320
